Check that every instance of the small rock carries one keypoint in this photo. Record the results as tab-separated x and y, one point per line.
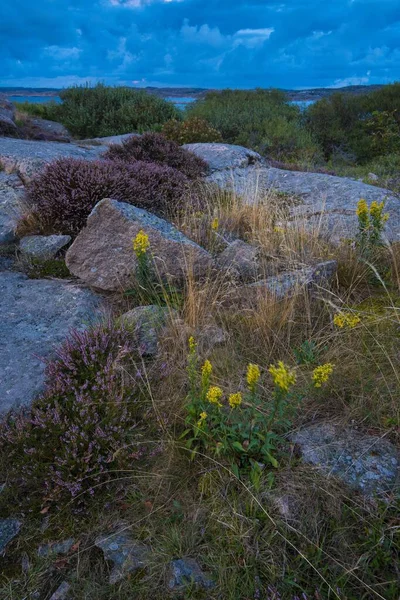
55	548
225	156
9	529
186	571
148	323
7	113
240	260
373	177
109	140
127	555
211	336
365	462
43	246
61	592
102	255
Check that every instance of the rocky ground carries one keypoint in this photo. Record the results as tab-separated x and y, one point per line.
35	314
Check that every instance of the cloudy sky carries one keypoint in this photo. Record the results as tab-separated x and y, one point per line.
202	43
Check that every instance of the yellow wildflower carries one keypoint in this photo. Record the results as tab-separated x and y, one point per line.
278	229
362	209
321	374
214	395
376	211
283	377
141	243
235	400
215	224
203	417
253	375
192	345
206	371
346	320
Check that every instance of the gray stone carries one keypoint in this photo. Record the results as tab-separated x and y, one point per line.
126	554
186	571
61	592
27	157
210	337
373	177
51	128
315	278
109	140
367	463
9	529
55	548
102	254
325	203
43	246
12	196
7	113
148	323
36	316
222	157
240	260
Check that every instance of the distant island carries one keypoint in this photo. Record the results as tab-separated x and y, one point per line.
293	95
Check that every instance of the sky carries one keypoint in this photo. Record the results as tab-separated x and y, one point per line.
200	43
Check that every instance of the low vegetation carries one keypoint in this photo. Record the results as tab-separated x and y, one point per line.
190	131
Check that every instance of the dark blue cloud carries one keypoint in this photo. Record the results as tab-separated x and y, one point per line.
205	43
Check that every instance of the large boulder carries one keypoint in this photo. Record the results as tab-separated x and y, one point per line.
222	157
366	463
325	203
7	113
102	255
36	315
27	157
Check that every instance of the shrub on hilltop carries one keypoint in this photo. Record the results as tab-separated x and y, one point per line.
155	148
259	119
99	111
63	195
191	131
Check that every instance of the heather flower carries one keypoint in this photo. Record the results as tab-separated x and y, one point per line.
253	375
321	374
141	243
214	396
283	377
235	400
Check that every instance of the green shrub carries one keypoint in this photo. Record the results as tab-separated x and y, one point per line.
191	131
45	110
260	119
156	149
100	111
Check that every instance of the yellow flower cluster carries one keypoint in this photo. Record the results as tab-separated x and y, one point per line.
203	417
349	320
192	345
376	211
141	243
321	374
278	229
235	400
283	377
362	209
214	395
206	371
253	375
215	224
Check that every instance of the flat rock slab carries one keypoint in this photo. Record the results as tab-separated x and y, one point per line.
225	156
109	140
27	157
126	554
185	572
35	317
366	463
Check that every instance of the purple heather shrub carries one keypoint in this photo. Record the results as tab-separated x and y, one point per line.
80	430
64	194
155	148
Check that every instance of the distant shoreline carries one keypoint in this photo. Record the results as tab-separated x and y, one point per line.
297	95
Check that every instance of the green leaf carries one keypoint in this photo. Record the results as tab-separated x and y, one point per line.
272	460
238	446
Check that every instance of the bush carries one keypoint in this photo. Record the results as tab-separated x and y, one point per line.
63	195
99	111
191	131
254	119
79	431
155	148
